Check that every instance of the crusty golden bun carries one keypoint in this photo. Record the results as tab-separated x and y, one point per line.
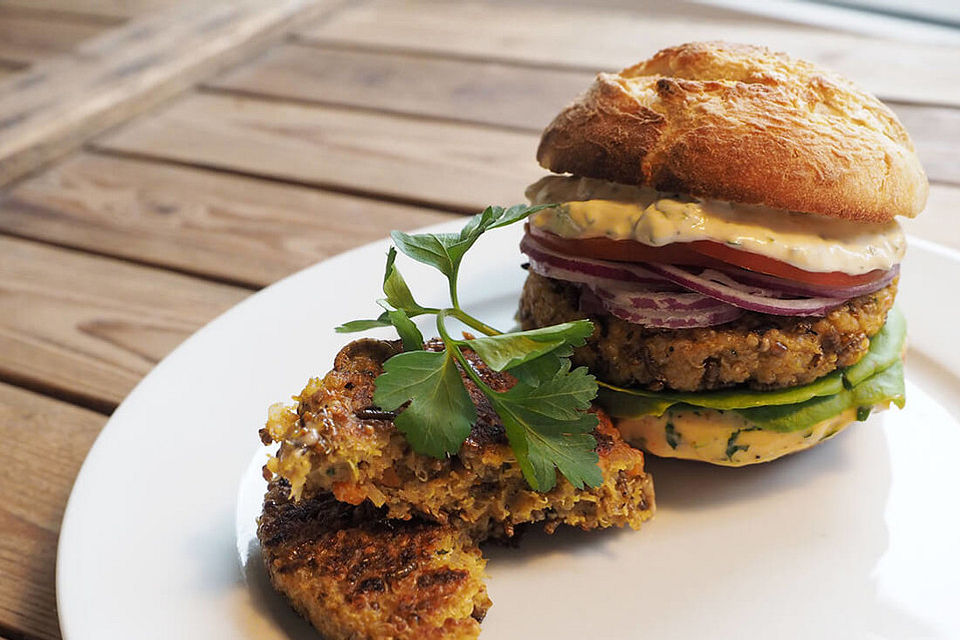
724	437
743	124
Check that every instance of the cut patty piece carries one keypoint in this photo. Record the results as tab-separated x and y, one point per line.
335	440
354	574
761	351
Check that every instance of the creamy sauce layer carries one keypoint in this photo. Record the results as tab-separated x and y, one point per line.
599	209
724	437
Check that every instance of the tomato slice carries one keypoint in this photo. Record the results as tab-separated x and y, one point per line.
773	267
701	253
626	251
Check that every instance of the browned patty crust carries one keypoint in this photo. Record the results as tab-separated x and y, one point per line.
335	440
761	351
354	574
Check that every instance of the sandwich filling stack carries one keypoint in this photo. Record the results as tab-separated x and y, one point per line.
727	219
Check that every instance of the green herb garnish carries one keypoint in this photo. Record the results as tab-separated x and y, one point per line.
544	413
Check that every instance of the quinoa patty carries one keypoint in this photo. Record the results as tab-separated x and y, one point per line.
335	440
355	574
761	351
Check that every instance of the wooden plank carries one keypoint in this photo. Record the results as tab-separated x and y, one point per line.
29	39
232	228
117	9
609	39
475	91
88	328
936	134
506	95
448	165
33	495
61	103
938	222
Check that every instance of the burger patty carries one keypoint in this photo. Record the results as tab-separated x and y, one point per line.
758	350
355	574
335	440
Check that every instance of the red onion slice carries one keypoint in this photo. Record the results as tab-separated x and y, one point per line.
741	297
656	300
677	311
601	269
663	306
795	288
656	294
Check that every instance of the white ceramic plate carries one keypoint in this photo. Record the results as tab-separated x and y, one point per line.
859	538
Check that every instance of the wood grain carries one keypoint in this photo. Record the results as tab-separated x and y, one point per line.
492	93
107	8
45	442
474	91
936	134
608	39
88	327
453	166
29	39
61	103
231	228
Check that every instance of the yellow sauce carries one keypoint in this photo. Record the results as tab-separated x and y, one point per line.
724	437
599	209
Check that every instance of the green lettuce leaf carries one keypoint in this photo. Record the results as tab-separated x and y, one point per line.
885	350
886	386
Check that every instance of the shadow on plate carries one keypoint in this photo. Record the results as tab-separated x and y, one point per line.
270	604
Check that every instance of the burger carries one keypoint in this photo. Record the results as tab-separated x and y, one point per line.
726	217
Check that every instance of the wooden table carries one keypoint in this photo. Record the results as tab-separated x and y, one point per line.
161	161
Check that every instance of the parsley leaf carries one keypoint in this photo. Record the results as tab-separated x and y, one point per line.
396	289
539	370
444	251
398	297
440	414
364	325
549	431
509	350
544	414
564	397
408	332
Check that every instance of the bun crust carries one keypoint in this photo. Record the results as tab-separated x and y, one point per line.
743	124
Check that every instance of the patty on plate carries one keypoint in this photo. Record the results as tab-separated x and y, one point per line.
335	440
758	350
355	574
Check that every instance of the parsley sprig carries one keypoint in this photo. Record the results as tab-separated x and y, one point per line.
544	413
